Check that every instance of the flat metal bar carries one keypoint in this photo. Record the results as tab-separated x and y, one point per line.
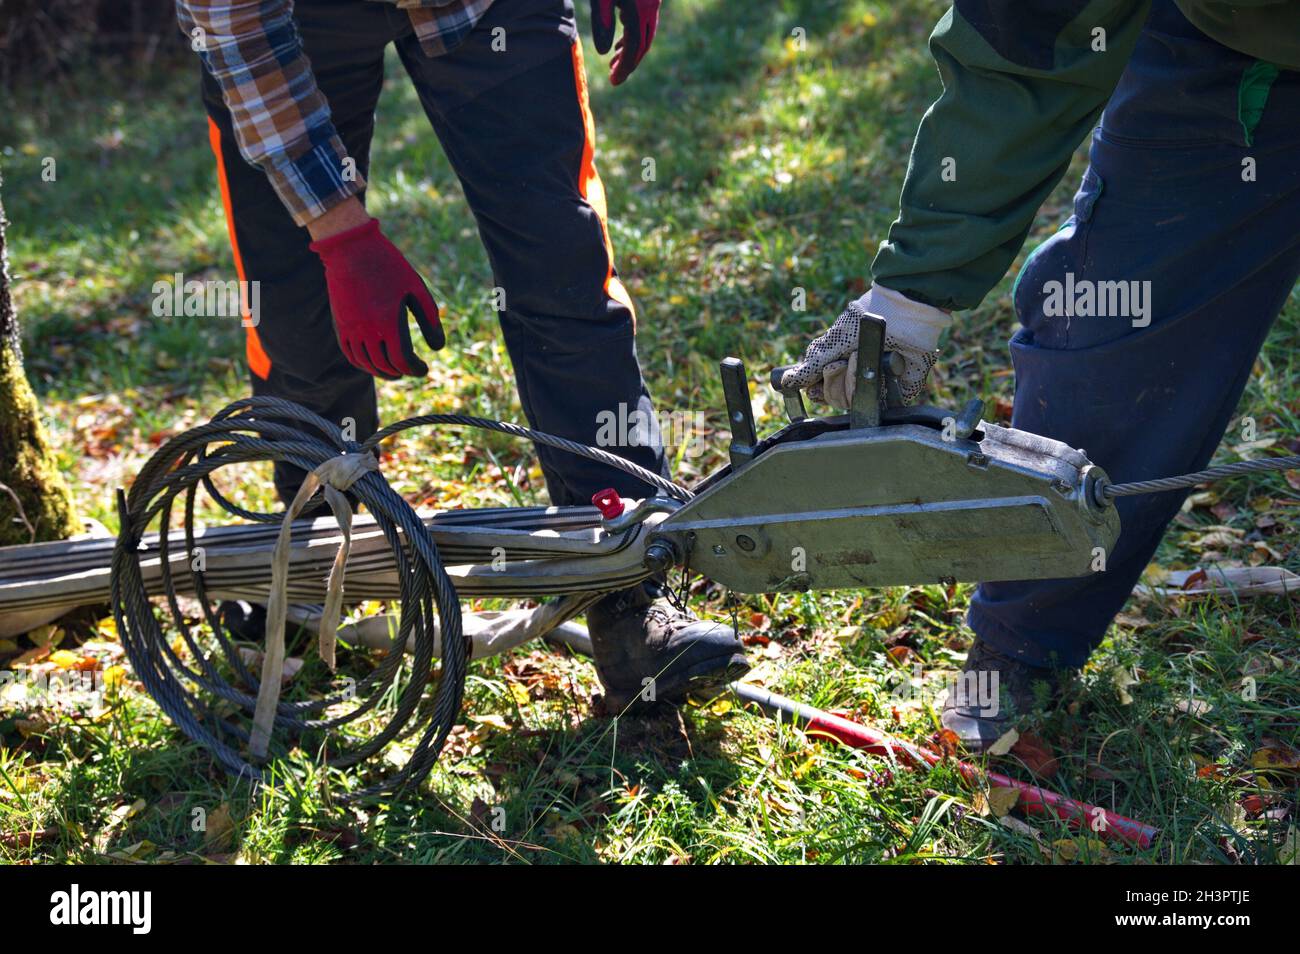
864	407
740	414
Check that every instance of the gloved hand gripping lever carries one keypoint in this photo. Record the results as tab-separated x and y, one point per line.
877	371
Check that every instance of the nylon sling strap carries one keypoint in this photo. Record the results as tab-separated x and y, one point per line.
335	475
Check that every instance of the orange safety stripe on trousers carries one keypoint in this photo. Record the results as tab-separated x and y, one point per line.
589	184
258	360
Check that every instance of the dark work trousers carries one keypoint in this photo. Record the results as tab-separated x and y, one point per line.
516	126
1174	196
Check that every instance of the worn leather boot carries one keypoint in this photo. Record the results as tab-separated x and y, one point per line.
647	651
993	692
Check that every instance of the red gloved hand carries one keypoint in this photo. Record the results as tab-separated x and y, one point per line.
371	285
640	20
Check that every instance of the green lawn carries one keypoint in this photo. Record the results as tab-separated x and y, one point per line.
776	168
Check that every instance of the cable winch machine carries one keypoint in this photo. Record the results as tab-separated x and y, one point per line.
880	496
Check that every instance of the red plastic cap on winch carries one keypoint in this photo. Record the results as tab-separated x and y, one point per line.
608	502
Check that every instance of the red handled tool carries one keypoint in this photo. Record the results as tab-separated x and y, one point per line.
1034	799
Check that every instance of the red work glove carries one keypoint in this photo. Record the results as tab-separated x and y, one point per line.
640	20
371	286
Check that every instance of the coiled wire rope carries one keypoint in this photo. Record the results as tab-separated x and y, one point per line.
196	695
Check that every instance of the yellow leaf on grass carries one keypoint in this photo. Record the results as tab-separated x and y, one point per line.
123	812
1276	759
1066	850
137	852
65	659
1122	679
892	616
1005	743
219	833
1002	800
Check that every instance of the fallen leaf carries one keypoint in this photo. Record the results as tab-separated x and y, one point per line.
519	692
494	721
1036	754
893	616
1002	800
1064	850
945	742
114	678
1193	707
27	839
1067	850
219	833
1020	828
1257	803
1005	743
1240	581
1223	511
902	654
34	655
1219	537
68	660
1276	759
140	851
1122	678
49	636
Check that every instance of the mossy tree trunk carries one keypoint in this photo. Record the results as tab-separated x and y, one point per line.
35	503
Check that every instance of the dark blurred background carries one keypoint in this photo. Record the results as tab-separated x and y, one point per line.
42	40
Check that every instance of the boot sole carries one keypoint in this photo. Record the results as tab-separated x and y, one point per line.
703	679
976	735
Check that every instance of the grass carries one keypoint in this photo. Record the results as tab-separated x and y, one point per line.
776	168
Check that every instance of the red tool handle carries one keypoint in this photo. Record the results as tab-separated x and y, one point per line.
1034	799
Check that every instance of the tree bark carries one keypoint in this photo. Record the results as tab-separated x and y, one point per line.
35	502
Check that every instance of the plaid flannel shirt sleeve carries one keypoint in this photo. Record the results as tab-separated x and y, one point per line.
281	119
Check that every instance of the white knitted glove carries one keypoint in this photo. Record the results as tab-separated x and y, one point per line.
829	367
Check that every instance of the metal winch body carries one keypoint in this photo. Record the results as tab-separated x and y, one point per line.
886	496
896	504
